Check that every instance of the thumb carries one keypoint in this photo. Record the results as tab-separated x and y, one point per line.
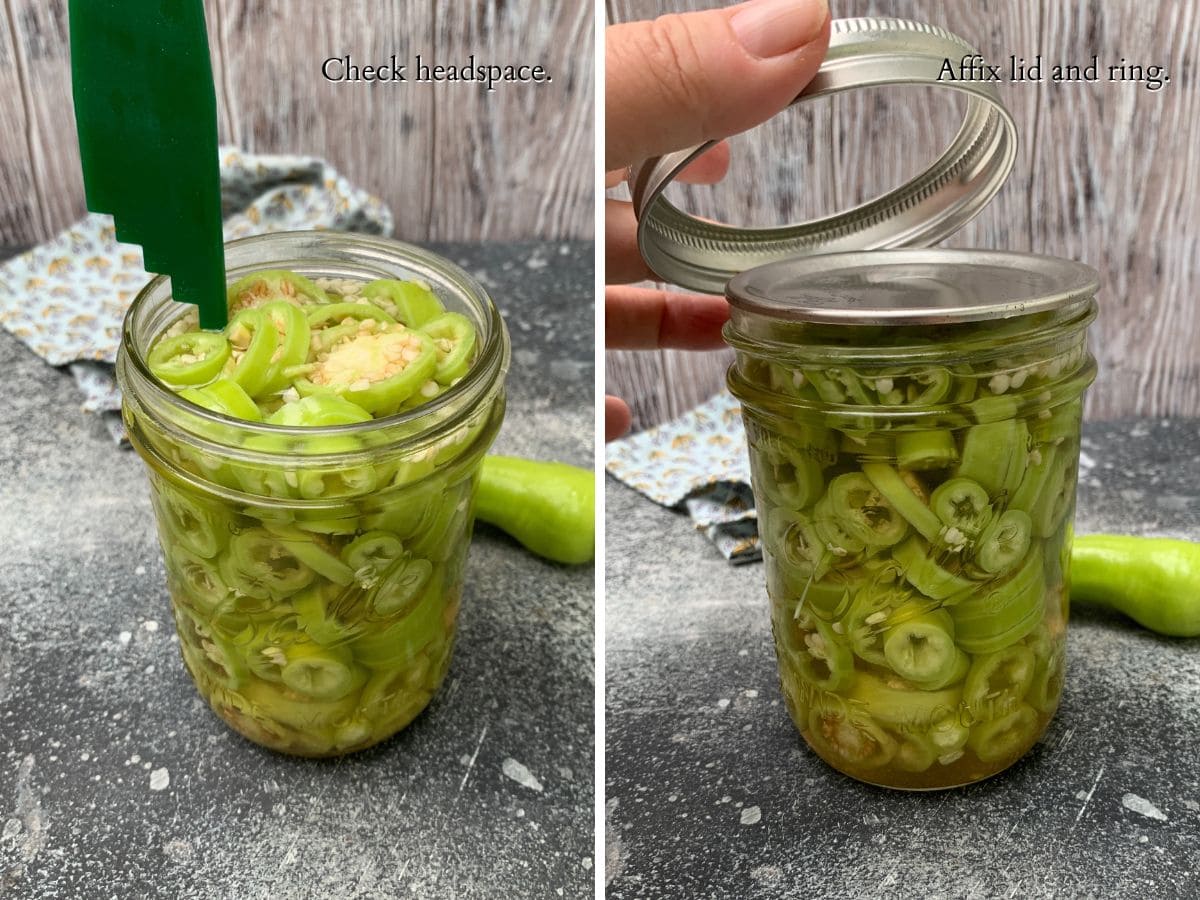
684	79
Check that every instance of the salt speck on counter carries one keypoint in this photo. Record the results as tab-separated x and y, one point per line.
723	702
125	637
150	625
751	815
1142	807
140	570
159	779
520	774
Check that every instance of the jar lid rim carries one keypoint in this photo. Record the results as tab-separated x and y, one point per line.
934	286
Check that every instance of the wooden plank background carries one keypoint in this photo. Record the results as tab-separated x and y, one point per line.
1106	173
453	162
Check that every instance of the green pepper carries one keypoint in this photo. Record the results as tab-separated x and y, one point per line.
838	385
927	388
1005	737
391	703
216	656
399	643
414	304
921	648
324	673
864	512
949	736
339	480
372	552
867	445
273	284
961	504
312	552
225	397
916	752
838	540
828	598
376	370
442	527
254	340
319	411
898	704
921	450
790	477
925	573
820	655
1057	493
306	714
548	507
994	453
852	737
906	495
1058	424
400	586
201	661
321	316
261	565
188	359
996	615
291	345
198	578
1049	654
1154	581
453	335
998	681
1004	543
317	617
877	606
195	524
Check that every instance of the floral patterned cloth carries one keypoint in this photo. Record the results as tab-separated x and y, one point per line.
697	462
66	298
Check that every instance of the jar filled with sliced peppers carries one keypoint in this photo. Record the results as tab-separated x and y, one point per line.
313	469
913	427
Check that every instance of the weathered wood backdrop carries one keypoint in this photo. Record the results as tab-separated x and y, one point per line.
454	162
1106	173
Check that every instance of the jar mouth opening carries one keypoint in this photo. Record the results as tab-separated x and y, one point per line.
321	252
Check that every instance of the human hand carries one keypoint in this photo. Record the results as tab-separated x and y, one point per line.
674	83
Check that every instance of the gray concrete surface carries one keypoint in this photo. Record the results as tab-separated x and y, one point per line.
96	710
712	793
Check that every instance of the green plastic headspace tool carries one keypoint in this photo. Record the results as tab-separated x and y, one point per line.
146	113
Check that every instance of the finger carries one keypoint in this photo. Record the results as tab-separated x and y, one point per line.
645	318
684	79
709	168
623	264
617	418
615	177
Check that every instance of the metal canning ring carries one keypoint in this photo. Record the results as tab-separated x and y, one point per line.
863	52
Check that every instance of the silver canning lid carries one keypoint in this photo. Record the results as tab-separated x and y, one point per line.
913	287
865	52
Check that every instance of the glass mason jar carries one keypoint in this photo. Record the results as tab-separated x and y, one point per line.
913	425
315	573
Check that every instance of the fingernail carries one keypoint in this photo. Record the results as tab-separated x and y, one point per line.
769	28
